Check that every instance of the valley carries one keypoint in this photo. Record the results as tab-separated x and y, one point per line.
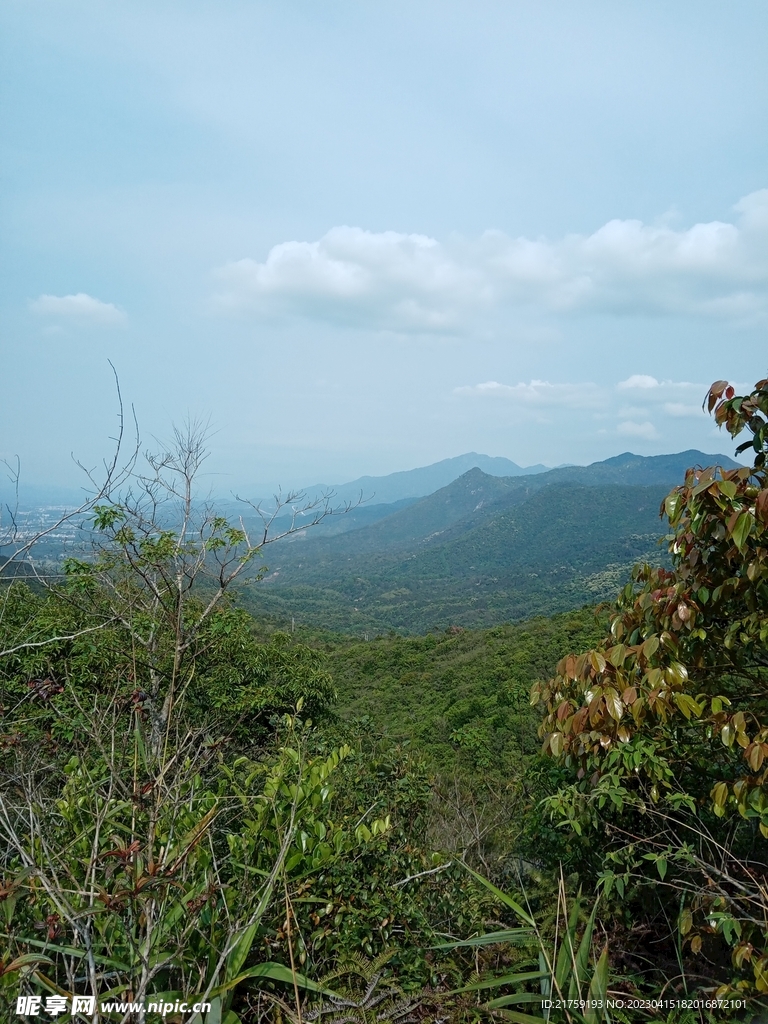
481	551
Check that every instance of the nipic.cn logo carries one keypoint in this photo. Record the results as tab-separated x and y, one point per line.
54	1006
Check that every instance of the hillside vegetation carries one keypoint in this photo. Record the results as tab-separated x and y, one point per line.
520	821
481	551
461	697
561	547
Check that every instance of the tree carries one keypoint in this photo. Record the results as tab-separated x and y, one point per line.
17	547
138	881
155	583
150	860
165	562
665	722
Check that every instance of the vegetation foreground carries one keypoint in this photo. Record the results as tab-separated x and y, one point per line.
194	807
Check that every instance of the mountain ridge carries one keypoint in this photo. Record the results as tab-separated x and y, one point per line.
483	549
423	480
476	493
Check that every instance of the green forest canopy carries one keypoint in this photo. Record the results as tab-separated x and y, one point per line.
188	807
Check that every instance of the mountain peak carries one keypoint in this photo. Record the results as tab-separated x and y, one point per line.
424	480
674	462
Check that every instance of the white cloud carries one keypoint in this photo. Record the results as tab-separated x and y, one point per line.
662	401
678	409
667	398
413	282
645	430
391	280
649	389
638	380
81	307
537	392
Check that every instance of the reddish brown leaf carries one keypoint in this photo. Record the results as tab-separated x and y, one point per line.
715	392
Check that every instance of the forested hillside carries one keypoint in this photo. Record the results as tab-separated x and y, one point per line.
481	551
560	548
460	697
455	825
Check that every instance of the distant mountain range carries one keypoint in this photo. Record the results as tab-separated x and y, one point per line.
482	550
417	483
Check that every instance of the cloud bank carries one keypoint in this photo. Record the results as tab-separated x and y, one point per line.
654	402
80	308
411	282
537	394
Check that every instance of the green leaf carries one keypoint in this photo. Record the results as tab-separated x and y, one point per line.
617	654
214	1014
672	504
517	997
614	704
513	905
598	989
687	705
490	939
728	488
677	672
567	949
650	646
26	960
582	957
719	794
241	949
506	979
742	529
272	972
79	954
521	1018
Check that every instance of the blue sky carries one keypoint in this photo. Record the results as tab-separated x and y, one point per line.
361	237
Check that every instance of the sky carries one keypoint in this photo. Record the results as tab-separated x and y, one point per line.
357	238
